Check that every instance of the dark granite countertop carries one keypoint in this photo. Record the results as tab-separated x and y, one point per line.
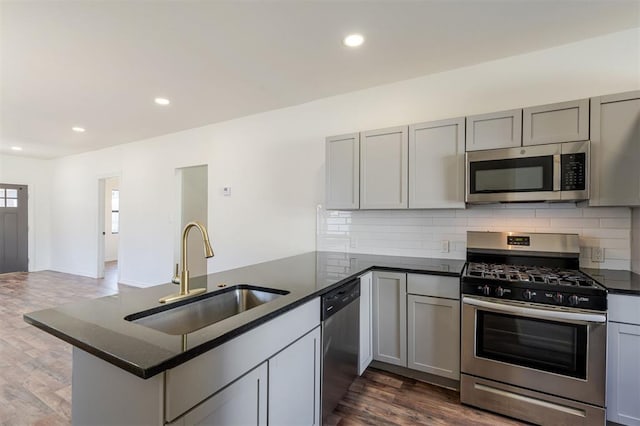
616	282
98	326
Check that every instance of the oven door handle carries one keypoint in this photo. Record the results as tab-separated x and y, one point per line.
538	313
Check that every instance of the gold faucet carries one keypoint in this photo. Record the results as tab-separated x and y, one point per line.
184	274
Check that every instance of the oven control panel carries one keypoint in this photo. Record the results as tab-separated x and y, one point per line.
526	294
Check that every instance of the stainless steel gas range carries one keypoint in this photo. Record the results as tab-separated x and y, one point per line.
534	330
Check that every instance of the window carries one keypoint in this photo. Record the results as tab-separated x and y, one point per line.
115	211
8	197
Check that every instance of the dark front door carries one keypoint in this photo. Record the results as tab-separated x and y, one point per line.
13	228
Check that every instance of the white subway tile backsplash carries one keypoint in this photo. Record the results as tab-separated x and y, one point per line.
558	213
575	223
623	212
420	232
614	223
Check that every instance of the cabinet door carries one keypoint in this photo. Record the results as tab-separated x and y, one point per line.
623	374
434	335
615	150
436	164
495	130
343	172
390	317
365	355
383	169
561	122
294	383
244	402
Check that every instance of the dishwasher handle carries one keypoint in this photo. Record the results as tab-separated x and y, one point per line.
339	298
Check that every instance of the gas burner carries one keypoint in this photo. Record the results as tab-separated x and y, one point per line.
529	274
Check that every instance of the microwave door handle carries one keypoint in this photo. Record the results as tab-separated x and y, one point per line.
537	313
557	166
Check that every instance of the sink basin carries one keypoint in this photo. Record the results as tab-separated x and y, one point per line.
190	315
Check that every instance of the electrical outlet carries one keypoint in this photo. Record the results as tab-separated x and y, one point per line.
597	254
353	243
444	246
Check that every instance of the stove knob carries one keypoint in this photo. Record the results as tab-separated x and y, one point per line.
527	295
486	290
574	300
558	298
499	292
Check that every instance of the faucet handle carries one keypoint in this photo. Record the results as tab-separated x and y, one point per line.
176	277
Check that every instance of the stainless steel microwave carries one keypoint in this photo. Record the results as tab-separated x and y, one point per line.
554	172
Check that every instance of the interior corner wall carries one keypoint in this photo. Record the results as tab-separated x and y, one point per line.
274	161
635	240
36	174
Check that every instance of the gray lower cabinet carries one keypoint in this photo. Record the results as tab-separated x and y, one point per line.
343	172
434	335
436	164
244	402
501	129
365	355
383	168
294	383
623	366
555	123
433	320
390	317
615	150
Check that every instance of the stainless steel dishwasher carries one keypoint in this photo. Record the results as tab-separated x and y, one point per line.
340	343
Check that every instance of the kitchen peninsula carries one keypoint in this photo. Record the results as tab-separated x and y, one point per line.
187	377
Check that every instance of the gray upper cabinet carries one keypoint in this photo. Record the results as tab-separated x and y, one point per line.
383	168
495	130
561	122
343	172
615	150
436	164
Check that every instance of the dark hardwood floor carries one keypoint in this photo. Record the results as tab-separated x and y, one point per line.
383	398
35	367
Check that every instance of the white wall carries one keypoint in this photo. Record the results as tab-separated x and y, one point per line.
635	240
111	240
274	161
36	174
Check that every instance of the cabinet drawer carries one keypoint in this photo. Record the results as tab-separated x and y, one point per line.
434	285
624	308
194	381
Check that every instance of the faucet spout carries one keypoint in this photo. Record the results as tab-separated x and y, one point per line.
184	273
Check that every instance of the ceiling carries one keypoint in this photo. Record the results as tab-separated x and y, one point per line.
100	64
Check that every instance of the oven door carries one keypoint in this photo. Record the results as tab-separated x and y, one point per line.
514	174
551	350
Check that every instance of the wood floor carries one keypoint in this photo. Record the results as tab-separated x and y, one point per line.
382	398
35	368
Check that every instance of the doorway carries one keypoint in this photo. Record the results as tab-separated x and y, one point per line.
109	228
14	245
192	185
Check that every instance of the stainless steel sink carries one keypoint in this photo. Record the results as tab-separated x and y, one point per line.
193	314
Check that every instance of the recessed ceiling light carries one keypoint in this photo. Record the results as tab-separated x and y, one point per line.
78	129
162	101
353	40
16	148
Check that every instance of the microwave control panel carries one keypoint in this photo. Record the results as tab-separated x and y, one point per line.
573	172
